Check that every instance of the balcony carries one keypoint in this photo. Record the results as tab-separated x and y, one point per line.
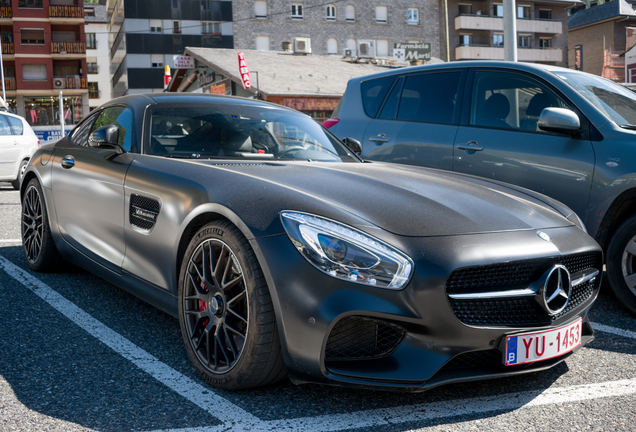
93	94
8	48
481	22
485	52
6	14
9	84
70	82
68	49
60	14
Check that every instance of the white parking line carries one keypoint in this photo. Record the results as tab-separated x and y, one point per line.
10	240
237	419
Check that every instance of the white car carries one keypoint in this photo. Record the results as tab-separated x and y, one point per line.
18	142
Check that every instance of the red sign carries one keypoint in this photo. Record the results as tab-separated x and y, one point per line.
244	71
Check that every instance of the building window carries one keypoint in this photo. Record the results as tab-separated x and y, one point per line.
523	12
332	46
498	10
497	40
91	67
524	41
262	43
30	4
351	44
89	12
412	16
176	27
211	28
34	72
545	14
381	13
156	60
331	13
465	39
465	9
175	4
545	43
382	48
32	36
297	11
350	13
93	90
91	43
155	26
260	9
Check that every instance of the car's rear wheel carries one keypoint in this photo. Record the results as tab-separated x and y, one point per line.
621	264
37	242
225	311
18	181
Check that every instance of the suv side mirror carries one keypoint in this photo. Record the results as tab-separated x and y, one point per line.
559	120
106	136
353	144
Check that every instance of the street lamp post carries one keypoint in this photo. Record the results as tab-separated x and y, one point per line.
510	31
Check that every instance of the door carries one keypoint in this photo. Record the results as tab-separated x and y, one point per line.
88	186
418	122
499	139
9	151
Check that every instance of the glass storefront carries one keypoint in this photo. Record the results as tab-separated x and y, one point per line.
45	110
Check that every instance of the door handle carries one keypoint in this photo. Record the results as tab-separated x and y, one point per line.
68	162
381	138
470	146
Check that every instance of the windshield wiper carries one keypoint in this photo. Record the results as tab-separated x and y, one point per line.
628	126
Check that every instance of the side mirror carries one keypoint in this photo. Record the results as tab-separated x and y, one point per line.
353	144
559	120
106	136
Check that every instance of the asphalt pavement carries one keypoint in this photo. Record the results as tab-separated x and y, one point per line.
77	353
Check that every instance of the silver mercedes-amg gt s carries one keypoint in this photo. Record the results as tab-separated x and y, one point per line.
282	253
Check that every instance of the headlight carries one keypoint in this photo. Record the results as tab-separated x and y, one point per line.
346	253
576	220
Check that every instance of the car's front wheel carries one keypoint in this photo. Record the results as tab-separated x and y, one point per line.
225	311
621	264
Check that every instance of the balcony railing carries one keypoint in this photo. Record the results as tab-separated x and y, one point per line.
59	11
6	12
485	22
68	48
70	82
7	48
93	94
481	52
9	84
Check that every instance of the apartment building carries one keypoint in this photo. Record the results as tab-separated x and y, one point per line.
97	52
43	53
476	30
145	34
333	27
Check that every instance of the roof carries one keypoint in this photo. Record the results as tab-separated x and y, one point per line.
600	13
283	73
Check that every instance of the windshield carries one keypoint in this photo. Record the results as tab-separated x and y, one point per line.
613	100
243	132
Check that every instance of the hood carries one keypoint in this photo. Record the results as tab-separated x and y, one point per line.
404	200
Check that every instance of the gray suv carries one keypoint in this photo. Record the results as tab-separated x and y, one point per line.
567	134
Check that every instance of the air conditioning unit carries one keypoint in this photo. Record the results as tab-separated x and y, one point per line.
58	83
349	53
301	45
366	48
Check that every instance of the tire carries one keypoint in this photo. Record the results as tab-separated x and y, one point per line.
18	181
621	264
37	243
226	313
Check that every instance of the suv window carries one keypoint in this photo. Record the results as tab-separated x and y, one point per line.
16	125
430	97
5	129
373	93
510	101
80	134
120	117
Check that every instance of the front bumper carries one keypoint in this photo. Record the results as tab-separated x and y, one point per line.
434	346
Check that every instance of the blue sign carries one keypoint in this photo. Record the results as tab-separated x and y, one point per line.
51	134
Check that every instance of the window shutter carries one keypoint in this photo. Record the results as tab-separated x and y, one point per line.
33	72
381	13
350	13
260	9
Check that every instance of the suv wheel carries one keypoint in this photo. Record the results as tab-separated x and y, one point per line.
621	264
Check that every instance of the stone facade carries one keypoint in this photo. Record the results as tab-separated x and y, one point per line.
279	26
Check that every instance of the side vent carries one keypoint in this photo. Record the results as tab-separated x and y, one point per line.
143	212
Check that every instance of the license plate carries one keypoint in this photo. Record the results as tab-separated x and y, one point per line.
543	345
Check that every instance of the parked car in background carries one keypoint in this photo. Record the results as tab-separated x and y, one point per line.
283	253
567	134
18	143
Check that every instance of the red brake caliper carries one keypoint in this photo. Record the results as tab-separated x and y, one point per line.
203	306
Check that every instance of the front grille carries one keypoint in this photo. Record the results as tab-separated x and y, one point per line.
361	338
475	359
149	208
515	311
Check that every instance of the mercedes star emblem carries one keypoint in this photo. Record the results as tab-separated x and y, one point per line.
556	290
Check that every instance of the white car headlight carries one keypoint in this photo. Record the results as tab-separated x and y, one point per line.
346	253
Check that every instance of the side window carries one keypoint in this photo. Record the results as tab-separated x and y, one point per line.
16	125
5	129
510	101
430	97
390	107
80	134
122	118
373	93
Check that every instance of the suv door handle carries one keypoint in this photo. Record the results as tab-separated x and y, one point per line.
470	146
381	138
68	162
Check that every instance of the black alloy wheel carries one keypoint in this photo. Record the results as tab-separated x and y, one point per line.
621	264
216	306
226	314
